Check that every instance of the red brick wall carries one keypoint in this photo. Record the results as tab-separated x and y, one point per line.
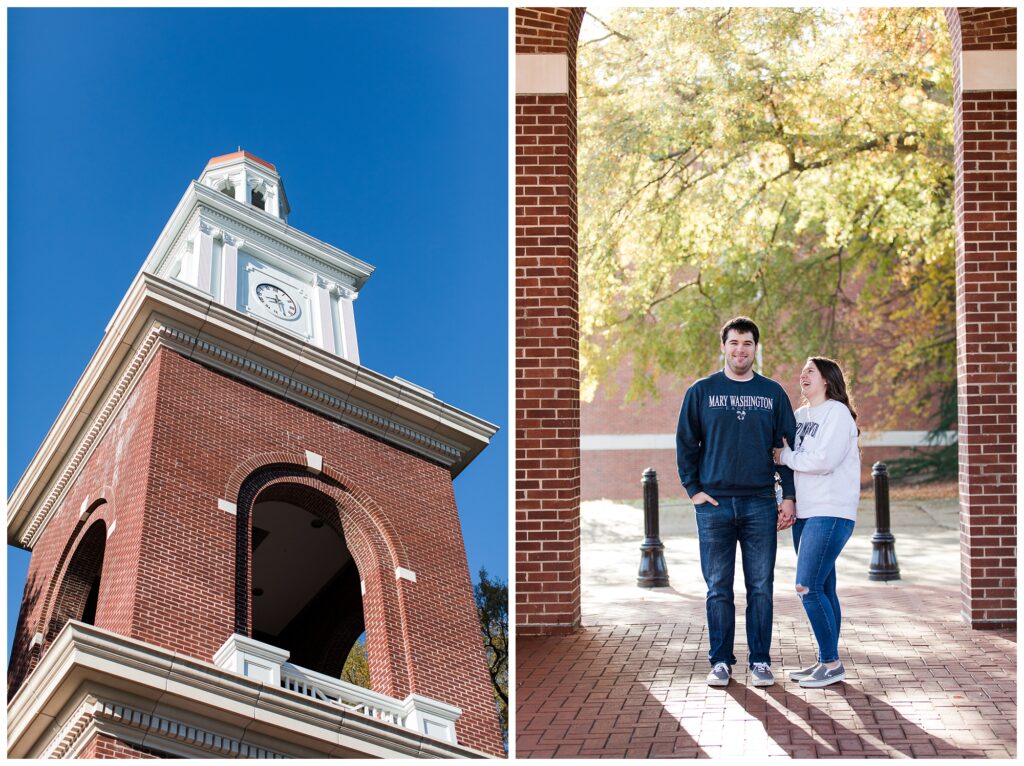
984	29
116	472
547	338
986	193
104	746
198	434
548	30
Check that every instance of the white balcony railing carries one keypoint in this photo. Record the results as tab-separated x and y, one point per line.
269	664
343	694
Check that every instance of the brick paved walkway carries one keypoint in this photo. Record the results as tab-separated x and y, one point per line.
920	682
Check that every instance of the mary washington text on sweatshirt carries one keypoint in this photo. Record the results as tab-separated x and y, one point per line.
727	429
826	461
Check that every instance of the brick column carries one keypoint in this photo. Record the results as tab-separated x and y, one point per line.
547	323
985	103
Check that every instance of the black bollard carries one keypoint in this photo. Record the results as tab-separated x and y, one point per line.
653	572
883	544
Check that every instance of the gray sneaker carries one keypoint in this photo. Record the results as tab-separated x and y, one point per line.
761	672
719	675
822	676
800	675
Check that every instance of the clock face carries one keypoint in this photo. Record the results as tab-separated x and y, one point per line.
277	301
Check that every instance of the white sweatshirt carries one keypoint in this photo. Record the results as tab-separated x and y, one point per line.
825	461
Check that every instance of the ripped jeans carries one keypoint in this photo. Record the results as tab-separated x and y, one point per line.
819	540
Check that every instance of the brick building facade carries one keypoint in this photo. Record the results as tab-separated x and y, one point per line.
548	478
222	508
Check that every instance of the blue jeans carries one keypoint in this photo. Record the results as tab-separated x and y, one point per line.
819	540
751	522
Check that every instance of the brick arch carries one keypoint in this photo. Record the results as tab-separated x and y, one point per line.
233	486
547	324
84	564
367	541
25	658
100	510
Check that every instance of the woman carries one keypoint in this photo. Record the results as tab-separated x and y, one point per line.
826	465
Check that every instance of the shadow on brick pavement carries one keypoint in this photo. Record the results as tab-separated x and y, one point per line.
630	684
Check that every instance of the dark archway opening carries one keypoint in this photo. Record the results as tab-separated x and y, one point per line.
78	594
305	589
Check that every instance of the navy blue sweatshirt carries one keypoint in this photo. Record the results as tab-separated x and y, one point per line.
727	429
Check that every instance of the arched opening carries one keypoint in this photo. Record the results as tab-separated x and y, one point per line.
258	200
546	265
305	585
78	596
735	201
228	188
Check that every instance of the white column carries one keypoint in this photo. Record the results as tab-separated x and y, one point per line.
203	258
349	347
241	187
271	201
229	272
325	315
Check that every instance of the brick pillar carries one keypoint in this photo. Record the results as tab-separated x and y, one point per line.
547	323
985	104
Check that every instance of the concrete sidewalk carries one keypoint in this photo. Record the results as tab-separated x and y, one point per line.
920	682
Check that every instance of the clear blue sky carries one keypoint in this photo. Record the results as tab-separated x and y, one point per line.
389	128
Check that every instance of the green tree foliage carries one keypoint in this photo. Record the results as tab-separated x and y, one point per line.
492	609
790	164
356	669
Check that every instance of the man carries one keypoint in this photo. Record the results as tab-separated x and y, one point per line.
729	424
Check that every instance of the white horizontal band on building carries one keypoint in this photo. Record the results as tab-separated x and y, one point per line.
608	442
989	70
542	74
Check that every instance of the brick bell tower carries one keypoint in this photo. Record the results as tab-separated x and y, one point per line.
228	500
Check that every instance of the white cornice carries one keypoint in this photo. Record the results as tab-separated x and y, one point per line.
156	312
92	679
147	729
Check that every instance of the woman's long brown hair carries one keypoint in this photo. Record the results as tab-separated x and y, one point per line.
835	387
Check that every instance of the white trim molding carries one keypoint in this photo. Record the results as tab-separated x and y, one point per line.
988	70
542	74
631	442
139	727
94	681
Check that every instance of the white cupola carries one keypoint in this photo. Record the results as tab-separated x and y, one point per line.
249	180
229	239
